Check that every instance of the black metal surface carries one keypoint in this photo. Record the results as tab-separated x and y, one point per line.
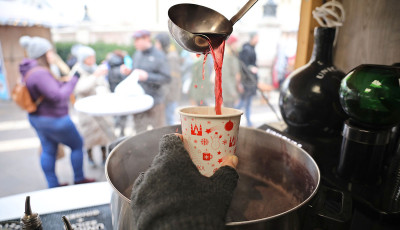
362	154
97	217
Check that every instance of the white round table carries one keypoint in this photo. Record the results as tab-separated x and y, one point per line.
113	104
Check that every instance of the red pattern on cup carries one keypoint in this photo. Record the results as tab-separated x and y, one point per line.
207	156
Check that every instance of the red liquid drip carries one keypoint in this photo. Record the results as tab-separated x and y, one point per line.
204	63
218	55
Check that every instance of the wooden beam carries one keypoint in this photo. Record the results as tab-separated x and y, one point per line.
305	35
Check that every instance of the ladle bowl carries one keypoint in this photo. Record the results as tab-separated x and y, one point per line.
192	26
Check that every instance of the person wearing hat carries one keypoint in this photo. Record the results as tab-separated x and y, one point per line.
173	89
92	81
51	120
151	67
114	76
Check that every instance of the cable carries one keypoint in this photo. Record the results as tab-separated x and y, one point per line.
330	14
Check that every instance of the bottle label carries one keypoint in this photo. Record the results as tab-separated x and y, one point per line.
323	72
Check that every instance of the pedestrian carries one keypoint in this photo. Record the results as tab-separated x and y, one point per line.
249	75
71	61
201	90
188	60
114	77
92	81
172	89
172	194
231	74
51	120
284	60
151	66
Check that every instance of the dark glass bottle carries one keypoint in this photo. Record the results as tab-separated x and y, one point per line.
309	97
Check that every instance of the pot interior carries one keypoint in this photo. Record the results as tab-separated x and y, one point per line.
275	175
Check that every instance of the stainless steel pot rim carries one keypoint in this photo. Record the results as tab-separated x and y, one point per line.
289	210
106	170
239	222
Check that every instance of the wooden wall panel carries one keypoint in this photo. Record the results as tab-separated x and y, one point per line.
305	36
370	34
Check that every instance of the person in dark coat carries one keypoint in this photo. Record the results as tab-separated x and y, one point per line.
249	75
114	77
151	66
114	62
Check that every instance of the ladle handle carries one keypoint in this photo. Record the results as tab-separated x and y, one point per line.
242	11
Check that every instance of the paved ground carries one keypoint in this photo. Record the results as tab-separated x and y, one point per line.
20	170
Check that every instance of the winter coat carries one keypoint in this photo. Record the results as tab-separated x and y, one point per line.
42	83
92	128
248	59
155	63
173	89
202	89
114	75
230	69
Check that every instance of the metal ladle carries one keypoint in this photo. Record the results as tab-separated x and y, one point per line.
193	25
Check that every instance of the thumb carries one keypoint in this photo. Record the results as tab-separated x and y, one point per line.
231	161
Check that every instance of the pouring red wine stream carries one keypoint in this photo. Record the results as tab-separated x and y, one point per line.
218	56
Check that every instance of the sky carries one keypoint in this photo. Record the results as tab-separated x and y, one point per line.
126	10
139	11
106	11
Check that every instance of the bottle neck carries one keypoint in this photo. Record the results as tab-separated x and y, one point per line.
323	45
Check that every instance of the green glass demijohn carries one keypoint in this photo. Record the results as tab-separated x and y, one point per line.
370	95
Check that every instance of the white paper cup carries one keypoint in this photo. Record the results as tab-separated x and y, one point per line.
209	137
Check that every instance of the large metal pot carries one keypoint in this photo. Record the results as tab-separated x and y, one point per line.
277	179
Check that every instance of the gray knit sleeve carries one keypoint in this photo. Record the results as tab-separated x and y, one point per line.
172	194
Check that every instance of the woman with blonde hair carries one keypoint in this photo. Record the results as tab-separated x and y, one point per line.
51	120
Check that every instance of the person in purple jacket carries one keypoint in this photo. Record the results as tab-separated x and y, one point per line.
51	120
